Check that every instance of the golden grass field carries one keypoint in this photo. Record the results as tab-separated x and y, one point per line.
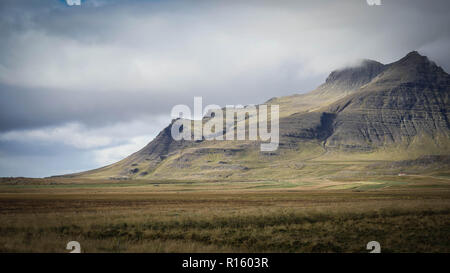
403	213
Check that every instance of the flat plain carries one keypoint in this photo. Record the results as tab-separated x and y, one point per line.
405	213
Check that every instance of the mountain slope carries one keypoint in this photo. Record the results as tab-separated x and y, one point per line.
338	84
409	99
372	111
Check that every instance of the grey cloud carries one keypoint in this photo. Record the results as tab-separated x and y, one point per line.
112	62
229	52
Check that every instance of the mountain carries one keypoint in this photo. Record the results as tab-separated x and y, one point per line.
370	112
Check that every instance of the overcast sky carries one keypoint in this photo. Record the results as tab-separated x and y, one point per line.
85	86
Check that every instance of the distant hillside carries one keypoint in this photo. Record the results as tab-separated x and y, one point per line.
398	111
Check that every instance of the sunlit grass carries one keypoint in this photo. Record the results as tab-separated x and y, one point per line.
128	219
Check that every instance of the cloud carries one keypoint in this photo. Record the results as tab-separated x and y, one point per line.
78	136
122	59
71	134
81	76
111	155
53	150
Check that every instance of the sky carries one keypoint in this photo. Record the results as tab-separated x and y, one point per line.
85	86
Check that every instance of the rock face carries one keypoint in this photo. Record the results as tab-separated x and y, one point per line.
350	79
367	108
408	99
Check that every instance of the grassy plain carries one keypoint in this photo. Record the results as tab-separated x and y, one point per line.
407	213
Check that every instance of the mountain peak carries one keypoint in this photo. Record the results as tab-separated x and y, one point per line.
413	68
413	60
413	53
414	57
365	69
352	77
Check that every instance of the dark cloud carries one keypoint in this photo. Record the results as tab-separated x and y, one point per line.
116	62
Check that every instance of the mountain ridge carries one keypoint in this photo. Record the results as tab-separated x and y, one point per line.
359	111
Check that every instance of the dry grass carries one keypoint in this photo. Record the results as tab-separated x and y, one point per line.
117	218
